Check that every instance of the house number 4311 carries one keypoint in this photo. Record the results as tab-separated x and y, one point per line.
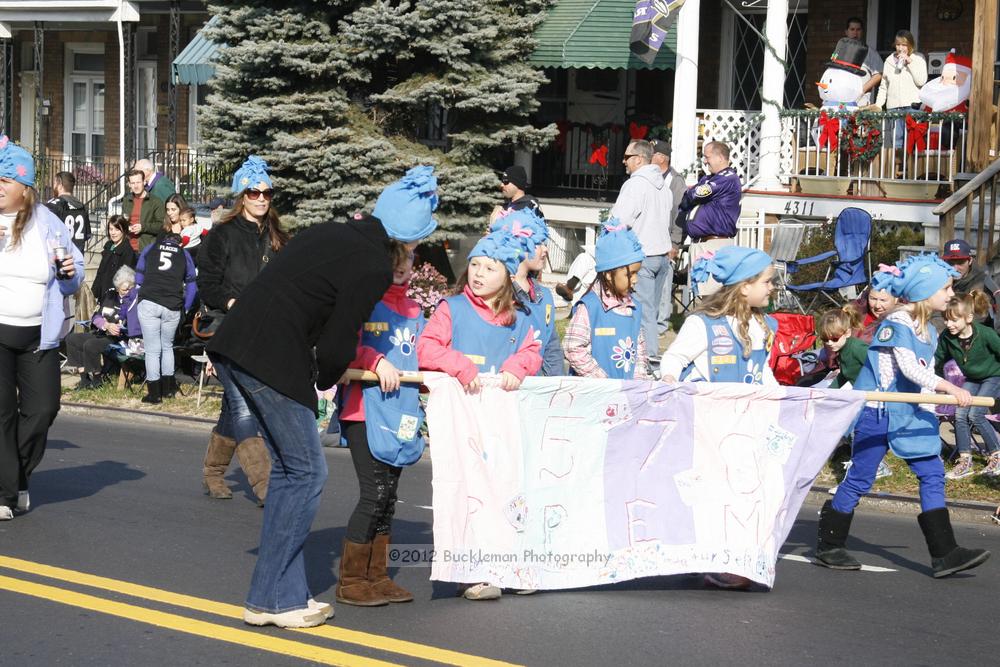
799	207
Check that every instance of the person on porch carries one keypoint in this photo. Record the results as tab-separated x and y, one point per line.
711	208
644	204
855	29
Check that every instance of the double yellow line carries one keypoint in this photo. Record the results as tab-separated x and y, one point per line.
179	623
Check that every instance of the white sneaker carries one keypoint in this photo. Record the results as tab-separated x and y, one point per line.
480	592
324	607
296	618
23	501
6	513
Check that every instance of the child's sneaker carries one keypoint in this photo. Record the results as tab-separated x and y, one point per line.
6	513
992	468
480	592
883	470
962	469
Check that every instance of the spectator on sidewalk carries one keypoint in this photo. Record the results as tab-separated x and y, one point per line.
580	277
674	181
116	254
711	209
644	204
35	293
157	184
513	186
69	209
972	278
173	207
145	213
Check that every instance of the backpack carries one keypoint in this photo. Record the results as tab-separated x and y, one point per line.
796	334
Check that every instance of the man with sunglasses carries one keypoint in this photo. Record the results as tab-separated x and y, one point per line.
513	184
645	204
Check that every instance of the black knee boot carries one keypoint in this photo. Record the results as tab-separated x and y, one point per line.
946	556
168	386
830	548
153	393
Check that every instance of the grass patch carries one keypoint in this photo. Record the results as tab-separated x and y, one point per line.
109	395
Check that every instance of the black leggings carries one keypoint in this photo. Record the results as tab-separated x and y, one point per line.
85	350
29	401
378	481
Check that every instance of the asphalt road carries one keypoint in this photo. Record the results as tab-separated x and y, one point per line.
120	532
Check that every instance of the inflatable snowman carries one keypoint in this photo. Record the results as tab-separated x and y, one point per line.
841	85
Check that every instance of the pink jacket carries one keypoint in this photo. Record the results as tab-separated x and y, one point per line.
366	358
435	353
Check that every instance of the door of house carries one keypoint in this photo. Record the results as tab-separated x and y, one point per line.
84	99
28	111
742	71
145	110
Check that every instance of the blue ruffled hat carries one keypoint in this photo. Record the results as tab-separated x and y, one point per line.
729	265
502	246
915	278
617	246
253	171
16	163
405	207
526	225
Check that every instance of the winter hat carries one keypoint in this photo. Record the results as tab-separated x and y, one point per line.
516	175
16	163
526	225
956	249
405	207
253	171
915	278
617	246
502	246
729	265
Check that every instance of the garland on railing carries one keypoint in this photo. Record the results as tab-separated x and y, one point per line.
922	116
864	139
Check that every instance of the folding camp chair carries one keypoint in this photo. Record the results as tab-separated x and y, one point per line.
849	263
785	243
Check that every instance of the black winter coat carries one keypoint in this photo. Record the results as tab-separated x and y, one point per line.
230	257
112	258
316	293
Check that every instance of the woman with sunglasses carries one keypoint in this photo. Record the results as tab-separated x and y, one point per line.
239	246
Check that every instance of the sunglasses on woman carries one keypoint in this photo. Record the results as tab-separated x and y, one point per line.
254	193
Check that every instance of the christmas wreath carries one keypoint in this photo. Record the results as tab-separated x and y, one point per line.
864	139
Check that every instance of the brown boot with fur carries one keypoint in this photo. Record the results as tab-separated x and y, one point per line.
353	586
217	458
256	463
378	573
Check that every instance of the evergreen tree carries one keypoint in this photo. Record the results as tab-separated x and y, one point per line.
337	96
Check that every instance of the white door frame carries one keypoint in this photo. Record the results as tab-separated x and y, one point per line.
871	23
70	77
150	120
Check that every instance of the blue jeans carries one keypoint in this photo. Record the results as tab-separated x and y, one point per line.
159	325
298	472
966	418
648	288
871	443
236	421
666	301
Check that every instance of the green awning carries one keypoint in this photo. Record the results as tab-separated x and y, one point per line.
594	33
194	64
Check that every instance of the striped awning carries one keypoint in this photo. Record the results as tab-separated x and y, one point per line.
194	65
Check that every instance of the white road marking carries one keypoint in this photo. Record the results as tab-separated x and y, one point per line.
864	568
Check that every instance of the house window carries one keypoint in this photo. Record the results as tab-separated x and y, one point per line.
739	88
84	131
145	109
886	18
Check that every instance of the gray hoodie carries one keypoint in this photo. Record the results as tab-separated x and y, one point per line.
645	204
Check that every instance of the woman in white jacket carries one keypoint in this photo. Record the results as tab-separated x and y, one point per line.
903	74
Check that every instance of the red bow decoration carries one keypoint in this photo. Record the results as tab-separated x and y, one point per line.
599	154
916	135
829	131
563	127
637	132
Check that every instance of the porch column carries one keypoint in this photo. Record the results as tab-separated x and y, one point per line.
684	137
773	94
984	49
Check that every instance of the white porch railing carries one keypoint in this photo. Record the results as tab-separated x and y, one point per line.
740	130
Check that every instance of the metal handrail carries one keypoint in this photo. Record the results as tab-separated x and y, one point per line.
968	189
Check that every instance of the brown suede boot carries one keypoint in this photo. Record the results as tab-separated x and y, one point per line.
353	586
217	458
378	573
256	463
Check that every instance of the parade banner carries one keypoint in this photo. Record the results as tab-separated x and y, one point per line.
573	482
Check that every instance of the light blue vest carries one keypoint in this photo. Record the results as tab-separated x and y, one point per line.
393	420
725	354
542	315
614	338
913	431
487	345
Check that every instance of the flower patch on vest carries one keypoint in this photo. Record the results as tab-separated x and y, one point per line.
623	354
405	340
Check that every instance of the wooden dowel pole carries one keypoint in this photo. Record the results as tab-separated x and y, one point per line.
358	375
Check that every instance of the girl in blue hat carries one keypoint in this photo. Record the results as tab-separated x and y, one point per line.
729	339
483	329
901	358
528	227
381	422
604	338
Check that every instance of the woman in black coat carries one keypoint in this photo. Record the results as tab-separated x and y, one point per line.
116	254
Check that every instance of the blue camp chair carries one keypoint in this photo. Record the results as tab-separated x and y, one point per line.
849	264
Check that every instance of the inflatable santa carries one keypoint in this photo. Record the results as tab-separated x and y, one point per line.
950	91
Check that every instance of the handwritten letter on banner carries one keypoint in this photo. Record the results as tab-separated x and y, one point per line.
575	482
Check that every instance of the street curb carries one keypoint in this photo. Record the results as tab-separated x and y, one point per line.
969	511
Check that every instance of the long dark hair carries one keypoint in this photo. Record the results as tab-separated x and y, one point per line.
277	236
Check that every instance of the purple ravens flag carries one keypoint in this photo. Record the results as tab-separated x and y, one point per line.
572	481
650	23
